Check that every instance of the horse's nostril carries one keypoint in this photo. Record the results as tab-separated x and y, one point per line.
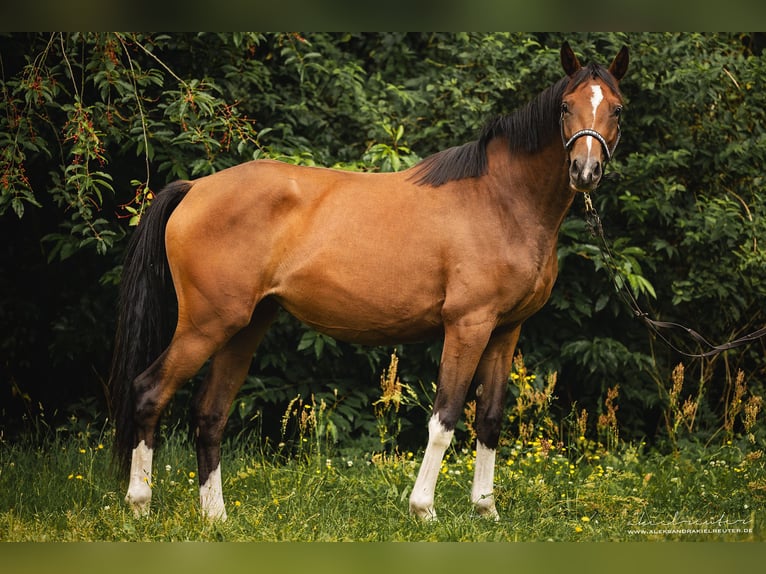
575	170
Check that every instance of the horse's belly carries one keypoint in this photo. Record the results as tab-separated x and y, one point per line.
375	312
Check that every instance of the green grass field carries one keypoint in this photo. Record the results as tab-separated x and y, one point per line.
65	491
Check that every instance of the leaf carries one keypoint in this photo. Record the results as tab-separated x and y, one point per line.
18	207
307	340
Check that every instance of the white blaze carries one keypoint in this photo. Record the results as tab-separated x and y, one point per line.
597	96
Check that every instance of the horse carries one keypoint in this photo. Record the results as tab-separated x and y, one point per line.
460	246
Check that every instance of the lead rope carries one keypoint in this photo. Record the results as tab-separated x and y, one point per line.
593	222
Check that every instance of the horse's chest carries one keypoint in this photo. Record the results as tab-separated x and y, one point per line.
528	287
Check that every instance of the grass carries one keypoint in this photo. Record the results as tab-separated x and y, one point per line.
552	483
65	491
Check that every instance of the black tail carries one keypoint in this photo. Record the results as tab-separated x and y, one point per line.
144	323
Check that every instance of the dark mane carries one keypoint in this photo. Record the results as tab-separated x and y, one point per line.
527	129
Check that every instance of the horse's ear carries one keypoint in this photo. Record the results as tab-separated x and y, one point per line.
620	64
568	60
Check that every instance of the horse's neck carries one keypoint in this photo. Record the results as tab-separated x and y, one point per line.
534	186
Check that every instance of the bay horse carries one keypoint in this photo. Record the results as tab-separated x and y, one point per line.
460	246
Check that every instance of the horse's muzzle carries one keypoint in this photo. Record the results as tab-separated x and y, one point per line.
585	174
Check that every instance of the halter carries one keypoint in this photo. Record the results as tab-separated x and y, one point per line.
568	143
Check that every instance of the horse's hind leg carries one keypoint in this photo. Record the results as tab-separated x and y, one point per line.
152	390
211	409
491	384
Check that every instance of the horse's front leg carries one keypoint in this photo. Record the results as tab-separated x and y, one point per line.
491	385
463	347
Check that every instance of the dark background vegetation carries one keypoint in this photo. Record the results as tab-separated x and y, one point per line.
91	123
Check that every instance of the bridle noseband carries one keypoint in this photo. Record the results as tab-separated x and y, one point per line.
568	143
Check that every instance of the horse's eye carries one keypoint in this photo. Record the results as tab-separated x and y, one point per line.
564	108
618	111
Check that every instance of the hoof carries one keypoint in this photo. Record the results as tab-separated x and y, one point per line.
485	507
139	501
424	512
488	513
214	514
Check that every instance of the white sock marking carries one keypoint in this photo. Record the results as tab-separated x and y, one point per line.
483	481
211	496
139	488
422	497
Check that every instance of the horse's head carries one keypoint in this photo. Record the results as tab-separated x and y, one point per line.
590	116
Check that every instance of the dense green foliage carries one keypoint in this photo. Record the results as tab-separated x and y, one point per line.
92	124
